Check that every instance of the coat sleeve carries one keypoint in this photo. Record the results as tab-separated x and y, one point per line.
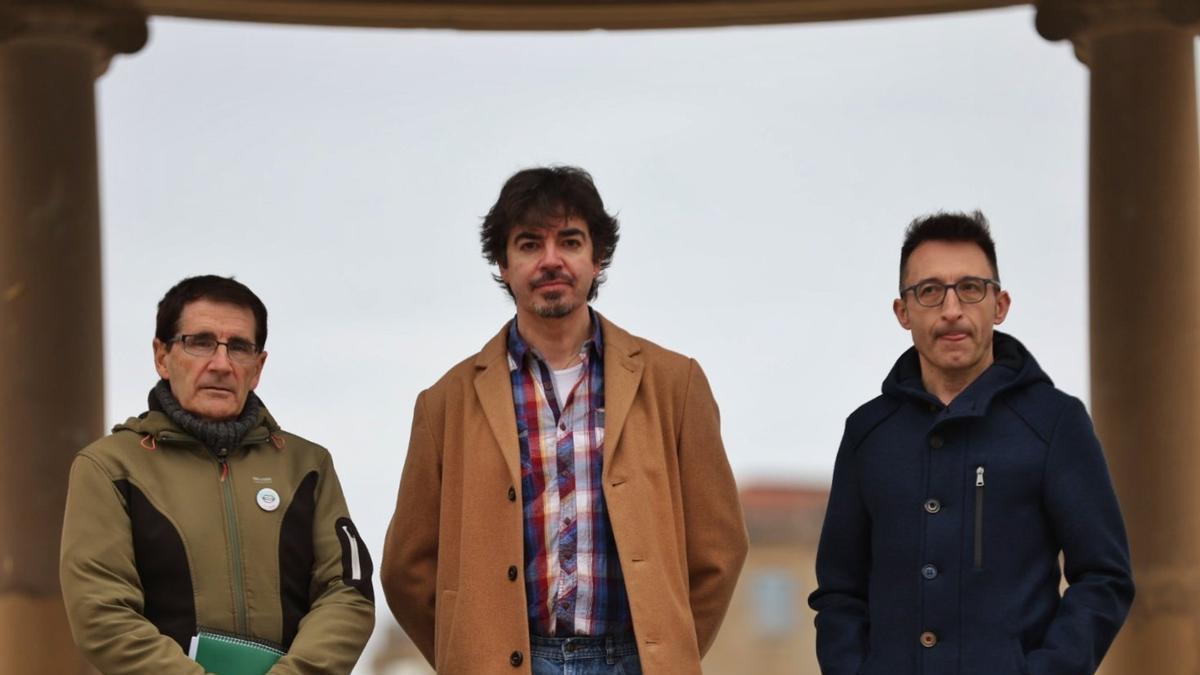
843	571
714	525
101	586
1082	506
332	634
409	570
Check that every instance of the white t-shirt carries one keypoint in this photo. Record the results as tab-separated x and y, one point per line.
564	381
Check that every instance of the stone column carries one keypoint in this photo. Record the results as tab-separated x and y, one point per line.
51	358
1144	276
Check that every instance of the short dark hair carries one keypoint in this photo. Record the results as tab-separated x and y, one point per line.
949	226
539	195
215	289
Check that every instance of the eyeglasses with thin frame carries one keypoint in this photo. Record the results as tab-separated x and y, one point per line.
204	345
970	290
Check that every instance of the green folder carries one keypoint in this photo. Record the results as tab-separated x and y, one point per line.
228	654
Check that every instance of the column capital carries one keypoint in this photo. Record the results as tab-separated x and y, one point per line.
1077	19
109	31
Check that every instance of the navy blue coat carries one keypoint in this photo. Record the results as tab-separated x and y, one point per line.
940	549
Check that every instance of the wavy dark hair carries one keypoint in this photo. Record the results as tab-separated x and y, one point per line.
214	289
949	226
540	195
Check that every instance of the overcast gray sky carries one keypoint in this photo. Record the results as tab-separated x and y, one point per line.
762	177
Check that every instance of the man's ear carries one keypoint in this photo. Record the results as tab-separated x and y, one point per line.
1003	303
901	311
260	361
160	359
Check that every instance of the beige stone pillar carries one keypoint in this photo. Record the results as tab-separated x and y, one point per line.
1144	275
51	379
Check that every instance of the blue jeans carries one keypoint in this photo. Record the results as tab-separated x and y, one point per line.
584	656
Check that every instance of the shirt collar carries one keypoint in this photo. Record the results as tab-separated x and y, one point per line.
518	348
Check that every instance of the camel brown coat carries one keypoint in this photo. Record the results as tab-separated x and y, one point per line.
458	524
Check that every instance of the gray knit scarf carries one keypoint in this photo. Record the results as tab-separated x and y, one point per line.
217	436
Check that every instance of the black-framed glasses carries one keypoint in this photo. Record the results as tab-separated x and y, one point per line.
969	290
205	345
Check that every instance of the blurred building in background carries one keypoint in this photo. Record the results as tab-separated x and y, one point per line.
769	628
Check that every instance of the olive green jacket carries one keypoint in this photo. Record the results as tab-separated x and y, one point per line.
160	538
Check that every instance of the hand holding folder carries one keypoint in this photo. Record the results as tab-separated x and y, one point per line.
227	654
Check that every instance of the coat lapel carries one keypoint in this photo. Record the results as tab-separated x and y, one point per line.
493	386
622	375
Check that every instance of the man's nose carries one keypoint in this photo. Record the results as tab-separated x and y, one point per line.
551	256
220	359
951	305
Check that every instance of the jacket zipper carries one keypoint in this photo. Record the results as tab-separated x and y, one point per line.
979	485
355	565
235	547
241	623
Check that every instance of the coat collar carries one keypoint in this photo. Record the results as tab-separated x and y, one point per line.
623	368
1013	367
158	425
493	387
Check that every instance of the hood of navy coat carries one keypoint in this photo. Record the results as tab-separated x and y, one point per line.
1013	368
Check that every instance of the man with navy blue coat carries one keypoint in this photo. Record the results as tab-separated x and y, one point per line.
956	490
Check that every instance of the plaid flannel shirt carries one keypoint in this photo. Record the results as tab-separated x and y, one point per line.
573	580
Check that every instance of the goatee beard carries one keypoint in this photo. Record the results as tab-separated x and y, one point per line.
557	305
555	308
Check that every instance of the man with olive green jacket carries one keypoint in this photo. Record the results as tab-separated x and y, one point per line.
201	515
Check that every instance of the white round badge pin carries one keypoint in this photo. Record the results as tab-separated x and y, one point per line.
268	499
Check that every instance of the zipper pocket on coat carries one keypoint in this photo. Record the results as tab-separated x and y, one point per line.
979	487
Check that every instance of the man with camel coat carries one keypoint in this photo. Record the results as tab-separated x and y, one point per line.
566	503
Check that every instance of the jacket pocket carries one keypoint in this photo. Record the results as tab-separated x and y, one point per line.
443	630
980	487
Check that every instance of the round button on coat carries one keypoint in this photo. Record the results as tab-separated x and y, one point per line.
512	494
932	506
928	639
935	442
516	659
512	572
929	571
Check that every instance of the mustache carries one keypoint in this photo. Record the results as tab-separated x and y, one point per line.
553	276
